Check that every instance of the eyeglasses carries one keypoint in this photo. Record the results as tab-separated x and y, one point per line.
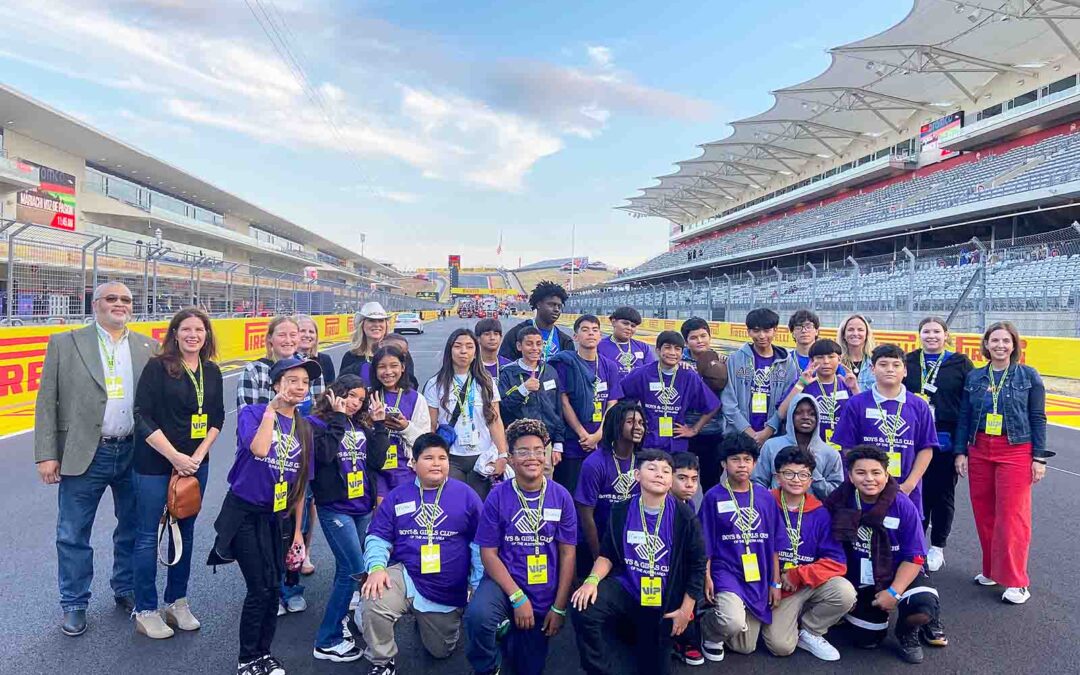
526	453
806	327
113	299
796	475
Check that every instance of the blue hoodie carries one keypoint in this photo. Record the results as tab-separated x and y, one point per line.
737	393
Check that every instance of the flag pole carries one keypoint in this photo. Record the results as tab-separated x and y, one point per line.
573	255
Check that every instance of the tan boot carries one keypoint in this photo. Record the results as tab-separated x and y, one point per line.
179	615
150	624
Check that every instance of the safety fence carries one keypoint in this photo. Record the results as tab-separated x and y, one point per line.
49	275
1031	280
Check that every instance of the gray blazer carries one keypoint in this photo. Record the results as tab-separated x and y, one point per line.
71	398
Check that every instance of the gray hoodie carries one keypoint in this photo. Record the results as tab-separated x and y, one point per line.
829	472
737	394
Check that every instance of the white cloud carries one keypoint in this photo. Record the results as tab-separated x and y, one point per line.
600	56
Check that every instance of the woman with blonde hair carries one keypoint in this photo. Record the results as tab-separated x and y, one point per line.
308	348
856	339
372	322
282	340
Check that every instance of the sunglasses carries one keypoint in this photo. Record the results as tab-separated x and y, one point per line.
113	299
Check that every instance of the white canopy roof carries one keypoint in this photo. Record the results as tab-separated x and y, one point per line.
938	59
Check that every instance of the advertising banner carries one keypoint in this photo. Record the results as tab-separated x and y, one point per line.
52	203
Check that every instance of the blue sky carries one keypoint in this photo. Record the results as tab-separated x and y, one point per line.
435	125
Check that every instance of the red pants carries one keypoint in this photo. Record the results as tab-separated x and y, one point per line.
1000	477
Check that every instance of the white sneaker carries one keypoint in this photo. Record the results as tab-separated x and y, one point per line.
281	611
150	624
984	580
713	651
295	604
179	615
818	646
935	558
1016	595
343	652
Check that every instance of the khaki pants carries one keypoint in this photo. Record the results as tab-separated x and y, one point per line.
439	631
728	621
819	609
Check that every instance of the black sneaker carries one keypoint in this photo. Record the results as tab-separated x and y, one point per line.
255	667
272	666
933	634
343	652
910	647
387	668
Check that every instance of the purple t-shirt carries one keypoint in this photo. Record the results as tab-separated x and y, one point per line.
725	548
904	525
607	388
813	540
389	478
691	394
605	481
253	478
507	526
403	518
642	539
494	368
861	422
831	400
354	439
761	383
628	356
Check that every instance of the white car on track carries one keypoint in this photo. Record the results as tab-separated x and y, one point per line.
408	322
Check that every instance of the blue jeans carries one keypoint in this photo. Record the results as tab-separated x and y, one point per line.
489	607
345	535
150	496
78	499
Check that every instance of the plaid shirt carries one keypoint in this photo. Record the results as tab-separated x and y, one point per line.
255	387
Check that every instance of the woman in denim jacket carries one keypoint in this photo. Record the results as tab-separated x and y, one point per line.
1001	440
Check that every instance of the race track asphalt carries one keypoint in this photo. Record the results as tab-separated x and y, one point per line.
987	636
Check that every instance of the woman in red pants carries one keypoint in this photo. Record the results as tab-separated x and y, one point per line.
1001	443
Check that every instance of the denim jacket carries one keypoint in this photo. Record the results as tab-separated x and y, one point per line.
1023	404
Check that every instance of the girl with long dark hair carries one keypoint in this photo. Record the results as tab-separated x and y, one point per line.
407	416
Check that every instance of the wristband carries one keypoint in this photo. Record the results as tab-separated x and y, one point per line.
1040	460
519	602
893	592
777	585
803	383
560	612
517	595
592	579
377	568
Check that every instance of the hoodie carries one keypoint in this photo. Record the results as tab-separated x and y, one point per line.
819	556
829	472
737	394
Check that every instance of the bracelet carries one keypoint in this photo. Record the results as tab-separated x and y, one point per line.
892	592
803	383
519	602
777	584
560	612
1040	460
517	595
592	579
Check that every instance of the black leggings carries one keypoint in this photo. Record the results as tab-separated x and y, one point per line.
257	547
939	497
617	636
707	448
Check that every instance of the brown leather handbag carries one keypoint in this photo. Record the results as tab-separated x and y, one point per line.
183	499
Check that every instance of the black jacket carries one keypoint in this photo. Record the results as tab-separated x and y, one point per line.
509	344
687	576
950	387
329	484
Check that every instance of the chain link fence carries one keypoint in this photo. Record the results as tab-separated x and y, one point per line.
1030	280
49	276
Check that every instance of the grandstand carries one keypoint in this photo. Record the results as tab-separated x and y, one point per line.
78	207
861	187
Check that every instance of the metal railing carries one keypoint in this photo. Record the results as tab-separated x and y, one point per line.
49	275
1031	280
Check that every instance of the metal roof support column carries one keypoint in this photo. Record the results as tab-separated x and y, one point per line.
813	285
858	283
910	304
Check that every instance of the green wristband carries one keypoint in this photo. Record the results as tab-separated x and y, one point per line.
517	595
560	612
377	568
592	579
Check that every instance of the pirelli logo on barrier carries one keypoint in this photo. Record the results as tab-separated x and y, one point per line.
332	327
971	346
21	360
350	325
255	335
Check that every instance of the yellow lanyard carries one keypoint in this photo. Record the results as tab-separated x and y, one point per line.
929	375
869	548
619	473
110	354
745	525
995	388
430	526
354	455
886	427
797	539
278	450
198	384
656	531
539	510
660	372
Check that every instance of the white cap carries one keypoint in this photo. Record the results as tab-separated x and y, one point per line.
373	310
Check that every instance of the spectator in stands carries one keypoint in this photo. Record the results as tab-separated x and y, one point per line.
744	535
547	300
880	529
805	326
1001	440
463	404
371	326
647	581
349	439
803	422
83	422
668	393
529	389
759	376
937	376
589	385
260	518
308	348
406	416
421	558
857	340
489	333
527	538
282	341
700	357
620	346
179	412
815	594
822	381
